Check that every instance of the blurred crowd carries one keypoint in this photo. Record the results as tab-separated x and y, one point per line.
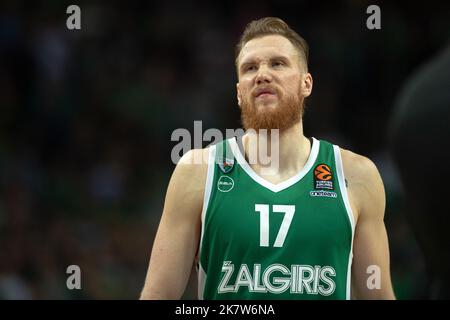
86	118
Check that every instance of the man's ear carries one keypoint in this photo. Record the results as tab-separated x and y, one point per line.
239	99
307	84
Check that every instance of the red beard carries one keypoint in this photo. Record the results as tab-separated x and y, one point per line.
287	113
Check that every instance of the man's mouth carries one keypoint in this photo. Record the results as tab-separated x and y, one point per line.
264	92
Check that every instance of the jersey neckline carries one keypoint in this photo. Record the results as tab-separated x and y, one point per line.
281	185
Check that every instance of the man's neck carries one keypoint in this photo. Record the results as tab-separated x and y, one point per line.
287	154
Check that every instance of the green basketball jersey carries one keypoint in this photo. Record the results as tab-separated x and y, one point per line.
291	240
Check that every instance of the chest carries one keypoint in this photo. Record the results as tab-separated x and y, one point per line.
246	214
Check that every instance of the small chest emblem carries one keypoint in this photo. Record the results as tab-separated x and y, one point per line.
226	165
323	177
225	184
323	182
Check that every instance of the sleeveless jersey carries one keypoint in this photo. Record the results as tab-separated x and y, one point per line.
291	240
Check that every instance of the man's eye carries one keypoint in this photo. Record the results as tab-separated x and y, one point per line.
250	68
277	63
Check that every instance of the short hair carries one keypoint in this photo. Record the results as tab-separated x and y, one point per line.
272	26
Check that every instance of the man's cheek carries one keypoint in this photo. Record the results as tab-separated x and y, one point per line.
247	95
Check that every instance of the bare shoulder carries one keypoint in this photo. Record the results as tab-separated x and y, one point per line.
364	180
196	157
192	168
357	166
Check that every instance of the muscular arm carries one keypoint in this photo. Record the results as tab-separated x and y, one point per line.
178	234
370	244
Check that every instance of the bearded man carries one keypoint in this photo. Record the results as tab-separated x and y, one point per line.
309	227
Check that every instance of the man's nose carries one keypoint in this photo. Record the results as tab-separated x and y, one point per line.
263	75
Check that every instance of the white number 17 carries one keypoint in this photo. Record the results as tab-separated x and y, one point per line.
263	209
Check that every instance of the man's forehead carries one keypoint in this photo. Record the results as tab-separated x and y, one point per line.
266	46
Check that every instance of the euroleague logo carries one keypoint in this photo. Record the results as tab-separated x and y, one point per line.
323	177
323	172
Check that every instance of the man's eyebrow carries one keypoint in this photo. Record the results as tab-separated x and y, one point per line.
253	61
280	57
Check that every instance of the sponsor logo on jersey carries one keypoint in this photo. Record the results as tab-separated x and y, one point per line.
225	184
226	165
323	193
323	177
278	278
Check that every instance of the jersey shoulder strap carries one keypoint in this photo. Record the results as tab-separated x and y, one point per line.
225	157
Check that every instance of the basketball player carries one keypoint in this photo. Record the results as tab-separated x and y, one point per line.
311	228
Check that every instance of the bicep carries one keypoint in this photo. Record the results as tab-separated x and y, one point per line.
177	237
371	275
371	266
